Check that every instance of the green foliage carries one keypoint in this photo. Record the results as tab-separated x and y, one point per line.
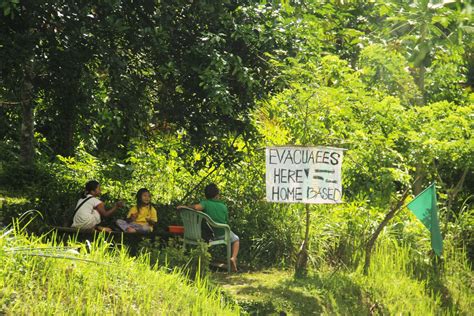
385	71
340	27
327	103
443	132
9	207
446	80
338	234
158	166
39	277
174	95
118	71
458	227
407	276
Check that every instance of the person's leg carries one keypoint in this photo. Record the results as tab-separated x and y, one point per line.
122	224
142	228
235	250
103	229
132	227
137	228
128	227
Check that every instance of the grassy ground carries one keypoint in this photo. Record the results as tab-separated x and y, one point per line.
42	278
396	285
277	292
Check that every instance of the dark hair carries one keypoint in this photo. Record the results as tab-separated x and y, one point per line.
90	186
211	191
139	198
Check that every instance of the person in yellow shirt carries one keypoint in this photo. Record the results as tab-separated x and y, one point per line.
142	217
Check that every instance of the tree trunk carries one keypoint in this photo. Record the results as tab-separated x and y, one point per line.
419	174
27	149
420	82
375	235
454	191
420	169
67	123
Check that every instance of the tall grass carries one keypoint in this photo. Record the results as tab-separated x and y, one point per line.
39	276
402	280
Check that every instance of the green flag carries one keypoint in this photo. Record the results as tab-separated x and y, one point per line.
424	207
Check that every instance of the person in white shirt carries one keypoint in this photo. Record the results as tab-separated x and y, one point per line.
89	209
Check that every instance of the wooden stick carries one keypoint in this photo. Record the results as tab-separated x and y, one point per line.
388	217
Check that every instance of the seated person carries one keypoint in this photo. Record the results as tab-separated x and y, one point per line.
217	210
89	209
141	217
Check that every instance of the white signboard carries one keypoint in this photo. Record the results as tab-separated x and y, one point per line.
304	174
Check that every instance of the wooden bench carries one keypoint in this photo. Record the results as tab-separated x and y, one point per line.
80	231
129	239
73	230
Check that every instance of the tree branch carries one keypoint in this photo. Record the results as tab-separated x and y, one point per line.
388	217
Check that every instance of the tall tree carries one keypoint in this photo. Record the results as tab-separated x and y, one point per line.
108	71
423	30
19	38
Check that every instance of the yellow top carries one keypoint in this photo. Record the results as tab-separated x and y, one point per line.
144	213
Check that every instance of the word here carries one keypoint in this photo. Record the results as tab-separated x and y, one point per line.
303	174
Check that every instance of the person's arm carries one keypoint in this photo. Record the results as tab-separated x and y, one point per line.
150	222
106	213
153	219
132	218
132	214
196	207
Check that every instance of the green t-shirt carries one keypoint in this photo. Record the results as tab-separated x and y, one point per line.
217	210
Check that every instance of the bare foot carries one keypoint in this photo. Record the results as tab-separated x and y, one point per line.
131	230
104	229
233	263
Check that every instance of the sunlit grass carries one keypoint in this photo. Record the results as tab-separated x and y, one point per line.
400	281
7	198
403	280
42	277
393	284
273	291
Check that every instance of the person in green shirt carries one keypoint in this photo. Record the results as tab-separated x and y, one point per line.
217	210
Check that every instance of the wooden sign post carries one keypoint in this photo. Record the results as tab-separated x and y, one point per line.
309	175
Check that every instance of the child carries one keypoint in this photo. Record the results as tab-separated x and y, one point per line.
89	209
141	217
219	213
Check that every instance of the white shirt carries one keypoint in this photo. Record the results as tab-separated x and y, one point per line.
87	216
